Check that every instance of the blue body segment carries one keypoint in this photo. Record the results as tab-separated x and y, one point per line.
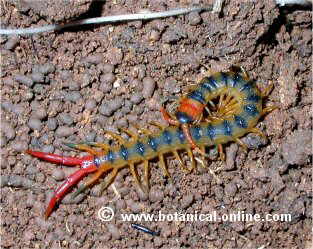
167	137
153	143
124	152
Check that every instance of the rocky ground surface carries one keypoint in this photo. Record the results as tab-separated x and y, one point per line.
71	86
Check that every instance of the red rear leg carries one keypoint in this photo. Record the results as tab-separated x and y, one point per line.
87	166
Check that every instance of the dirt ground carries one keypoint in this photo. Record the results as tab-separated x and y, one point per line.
71	86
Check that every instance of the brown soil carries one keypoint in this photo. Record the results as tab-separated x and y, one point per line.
72	85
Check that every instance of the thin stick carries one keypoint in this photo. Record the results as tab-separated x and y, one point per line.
106	19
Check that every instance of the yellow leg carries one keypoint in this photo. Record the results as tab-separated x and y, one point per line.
103	146
267	90
181	164
221	152
268	109
141	130
244	146
132	135
146	174
208	110
135	175
95	177
157	124
109	179
163	166
199	160
237	69
212	104
117	137
258	132
192	160
83	147
220	103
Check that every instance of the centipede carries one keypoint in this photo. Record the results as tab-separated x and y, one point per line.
238	98
236	114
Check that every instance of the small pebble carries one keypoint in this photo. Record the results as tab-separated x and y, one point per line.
106	82
194	18
34	124
48	148
20	146
73	96
231	152
187	200
37	77
12	43
46	68
253	141
39	113
107	109
297	148
73	85
154	35
156	195
259	173
90	104
65	118
121	123
52	124
107	68
148	87
134	207
15	181
171	86
24	80
120	204
114	231
8	130
230	189
90	137
7	105
64	131
31	170
58	174
94	59
136	98
18	109
114	56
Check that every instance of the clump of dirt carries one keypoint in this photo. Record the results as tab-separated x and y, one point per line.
72	86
